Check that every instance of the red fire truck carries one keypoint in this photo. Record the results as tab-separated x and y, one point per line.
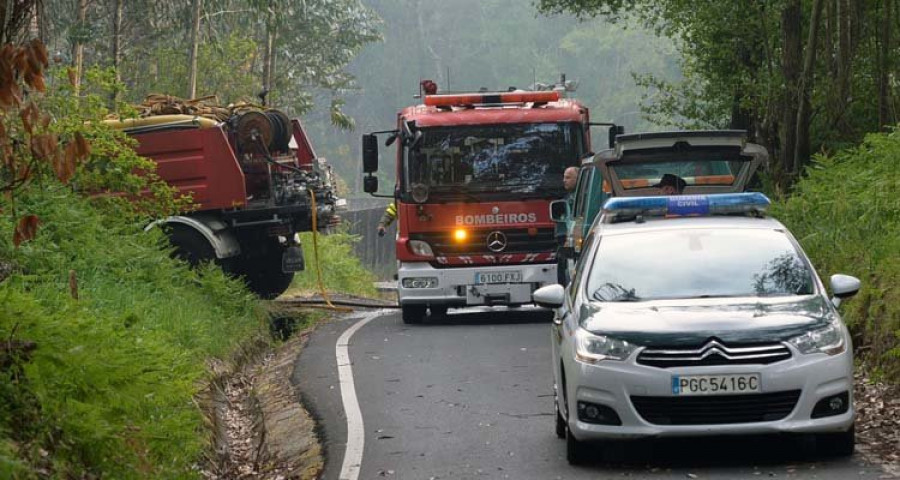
251	179
475	175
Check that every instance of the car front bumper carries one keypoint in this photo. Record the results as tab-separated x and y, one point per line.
613	383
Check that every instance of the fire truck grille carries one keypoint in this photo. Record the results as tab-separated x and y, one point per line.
518	240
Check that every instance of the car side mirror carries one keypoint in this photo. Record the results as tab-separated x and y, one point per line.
551	296
843	287
370	184
370	153
559	210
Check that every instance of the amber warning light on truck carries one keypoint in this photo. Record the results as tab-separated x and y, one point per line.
491	98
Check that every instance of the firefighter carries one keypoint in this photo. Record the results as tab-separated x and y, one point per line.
390	214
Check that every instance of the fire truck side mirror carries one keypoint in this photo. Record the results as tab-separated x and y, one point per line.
370	154
370	184
559	210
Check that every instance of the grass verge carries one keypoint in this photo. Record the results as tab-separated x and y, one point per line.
110	389
846	214
340	267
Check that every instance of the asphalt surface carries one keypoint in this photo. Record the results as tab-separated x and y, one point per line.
470	396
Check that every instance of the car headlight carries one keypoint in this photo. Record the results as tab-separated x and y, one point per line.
829	339
590	348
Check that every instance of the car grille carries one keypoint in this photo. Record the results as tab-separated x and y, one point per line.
714	410
518	241
714	353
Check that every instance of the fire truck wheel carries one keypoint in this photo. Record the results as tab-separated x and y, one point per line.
413	314
438	310
190	245
266	279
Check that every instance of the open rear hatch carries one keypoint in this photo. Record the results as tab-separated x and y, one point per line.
715	161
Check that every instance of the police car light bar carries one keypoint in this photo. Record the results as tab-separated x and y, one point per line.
686	205
490	98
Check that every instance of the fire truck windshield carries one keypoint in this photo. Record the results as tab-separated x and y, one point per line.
493	160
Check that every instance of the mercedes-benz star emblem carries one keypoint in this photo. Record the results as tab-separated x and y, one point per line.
495	210
496	242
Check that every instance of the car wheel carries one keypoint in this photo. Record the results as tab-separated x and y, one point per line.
413	314
560	425
575	450
438	310
836	444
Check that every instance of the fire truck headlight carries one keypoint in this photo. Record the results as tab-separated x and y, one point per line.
460	235
420	282
420	248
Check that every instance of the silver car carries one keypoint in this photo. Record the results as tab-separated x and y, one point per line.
710	323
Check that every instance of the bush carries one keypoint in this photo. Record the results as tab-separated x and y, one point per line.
846	214
341	269
110	389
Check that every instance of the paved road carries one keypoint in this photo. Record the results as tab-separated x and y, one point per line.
470	397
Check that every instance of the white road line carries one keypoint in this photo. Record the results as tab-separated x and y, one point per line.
356	434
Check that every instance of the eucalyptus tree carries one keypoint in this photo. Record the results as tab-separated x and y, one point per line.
240	47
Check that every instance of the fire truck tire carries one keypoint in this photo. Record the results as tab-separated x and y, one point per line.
190	245
438	310
263	275
413	314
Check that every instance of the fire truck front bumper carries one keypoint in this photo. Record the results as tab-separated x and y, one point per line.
421	284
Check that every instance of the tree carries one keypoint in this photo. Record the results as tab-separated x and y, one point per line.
197	9
794	96
310	41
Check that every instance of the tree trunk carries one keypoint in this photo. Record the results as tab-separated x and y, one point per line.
35	29
801	145
195	47
844	53
118	7
269	57
78	48
791	27
830	32
884	64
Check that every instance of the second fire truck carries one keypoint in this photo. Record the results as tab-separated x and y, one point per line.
476	173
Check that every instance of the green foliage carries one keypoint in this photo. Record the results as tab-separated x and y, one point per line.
846	214
227	69
341	270
314	41
743	68
113	165
109	390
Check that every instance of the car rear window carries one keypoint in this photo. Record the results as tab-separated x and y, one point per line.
697	263
645	168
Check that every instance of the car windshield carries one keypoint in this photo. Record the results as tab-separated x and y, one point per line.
697	167
697	263
495	159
